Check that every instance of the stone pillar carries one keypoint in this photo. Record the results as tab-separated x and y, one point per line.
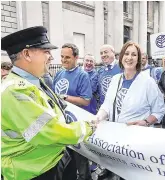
162	16
110	19
98	29
56	28
32	13
156	17
115	24
143	26
118	25
135	33
19	14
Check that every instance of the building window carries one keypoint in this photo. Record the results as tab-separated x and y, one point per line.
126	34
125	6
79	41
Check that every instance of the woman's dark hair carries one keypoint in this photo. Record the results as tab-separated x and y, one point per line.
122	52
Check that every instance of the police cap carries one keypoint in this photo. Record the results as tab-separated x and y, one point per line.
33	37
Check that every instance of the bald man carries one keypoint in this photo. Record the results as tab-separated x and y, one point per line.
105	74
109	69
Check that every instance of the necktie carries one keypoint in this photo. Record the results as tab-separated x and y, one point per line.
108	67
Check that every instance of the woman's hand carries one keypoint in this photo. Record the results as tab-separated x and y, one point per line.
95	120
138	123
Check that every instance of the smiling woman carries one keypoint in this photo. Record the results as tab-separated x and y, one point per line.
133	97
130	58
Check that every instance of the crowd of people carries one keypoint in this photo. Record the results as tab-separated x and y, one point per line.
35	130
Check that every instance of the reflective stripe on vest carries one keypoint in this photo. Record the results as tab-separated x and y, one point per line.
20	97
36	126
3	134
9	133
23	97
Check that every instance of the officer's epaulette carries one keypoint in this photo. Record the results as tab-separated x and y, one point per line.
21	83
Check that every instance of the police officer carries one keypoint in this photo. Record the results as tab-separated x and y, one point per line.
34	132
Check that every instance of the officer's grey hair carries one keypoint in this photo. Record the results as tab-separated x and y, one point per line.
73	47
14	57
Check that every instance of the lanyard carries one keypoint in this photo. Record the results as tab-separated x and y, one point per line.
114	103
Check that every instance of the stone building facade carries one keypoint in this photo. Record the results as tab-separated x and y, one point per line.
88	24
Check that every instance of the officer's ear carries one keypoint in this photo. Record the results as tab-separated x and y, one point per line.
26	54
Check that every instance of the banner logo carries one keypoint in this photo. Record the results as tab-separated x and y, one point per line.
160	41
62	86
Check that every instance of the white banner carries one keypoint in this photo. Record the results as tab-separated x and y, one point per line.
132	152
158	45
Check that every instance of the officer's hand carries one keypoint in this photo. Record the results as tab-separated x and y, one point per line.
93	125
